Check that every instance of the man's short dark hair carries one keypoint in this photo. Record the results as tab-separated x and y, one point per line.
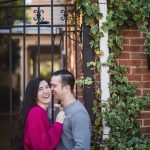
66	77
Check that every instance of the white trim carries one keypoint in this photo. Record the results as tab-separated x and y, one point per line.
105	78
31	30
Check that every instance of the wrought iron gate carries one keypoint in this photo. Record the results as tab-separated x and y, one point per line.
50	39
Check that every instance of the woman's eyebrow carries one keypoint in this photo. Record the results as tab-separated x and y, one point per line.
44	86
40	87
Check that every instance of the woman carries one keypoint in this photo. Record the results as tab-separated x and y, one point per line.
35	131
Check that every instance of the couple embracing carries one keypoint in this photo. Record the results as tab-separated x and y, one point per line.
72	128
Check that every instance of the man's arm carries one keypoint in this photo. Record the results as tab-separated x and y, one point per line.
81	130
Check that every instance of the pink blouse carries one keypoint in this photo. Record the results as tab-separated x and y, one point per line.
39	133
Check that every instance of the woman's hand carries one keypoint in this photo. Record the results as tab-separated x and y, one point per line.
61	117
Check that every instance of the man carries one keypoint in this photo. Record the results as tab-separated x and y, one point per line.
77	125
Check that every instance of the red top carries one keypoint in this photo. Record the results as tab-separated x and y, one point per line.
39	133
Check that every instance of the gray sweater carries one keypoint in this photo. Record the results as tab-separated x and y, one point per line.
76	129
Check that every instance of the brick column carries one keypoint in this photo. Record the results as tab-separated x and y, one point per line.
134	58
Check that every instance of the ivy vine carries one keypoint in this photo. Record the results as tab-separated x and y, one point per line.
123	106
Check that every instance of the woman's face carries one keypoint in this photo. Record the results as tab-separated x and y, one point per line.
44	94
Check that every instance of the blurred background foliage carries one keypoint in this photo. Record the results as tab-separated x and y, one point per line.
8	15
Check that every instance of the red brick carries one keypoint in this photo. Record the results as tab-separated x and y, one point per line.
144	115
97	77
132	48
138	92
131	33
124	55
138	56
137	41
144	62
146	77
143	48
145	130
140	70
146	122
136	63
126	41
142	84
147	108
134	77
146	135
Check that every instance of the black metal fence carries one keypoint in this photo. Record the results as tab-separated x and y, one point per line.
43	34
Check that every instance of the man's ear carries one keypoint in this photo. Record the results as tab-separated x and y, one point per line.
67	87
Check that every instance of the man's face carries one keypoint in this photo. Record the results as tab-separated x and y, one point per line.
56	87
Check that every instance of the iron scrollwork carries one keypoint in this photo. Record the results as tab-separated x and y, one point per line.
38	15
65	15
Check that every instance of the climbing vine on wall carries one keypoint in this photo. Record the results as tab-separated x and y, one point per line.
123	106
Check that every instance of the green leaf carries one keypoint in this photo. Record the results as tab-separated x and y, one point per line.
94	29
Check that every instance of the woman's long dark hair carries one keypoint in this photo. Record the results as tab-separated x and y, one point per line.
29	101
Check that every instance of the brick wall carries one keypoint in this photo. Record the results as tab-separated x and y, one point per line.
135	60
